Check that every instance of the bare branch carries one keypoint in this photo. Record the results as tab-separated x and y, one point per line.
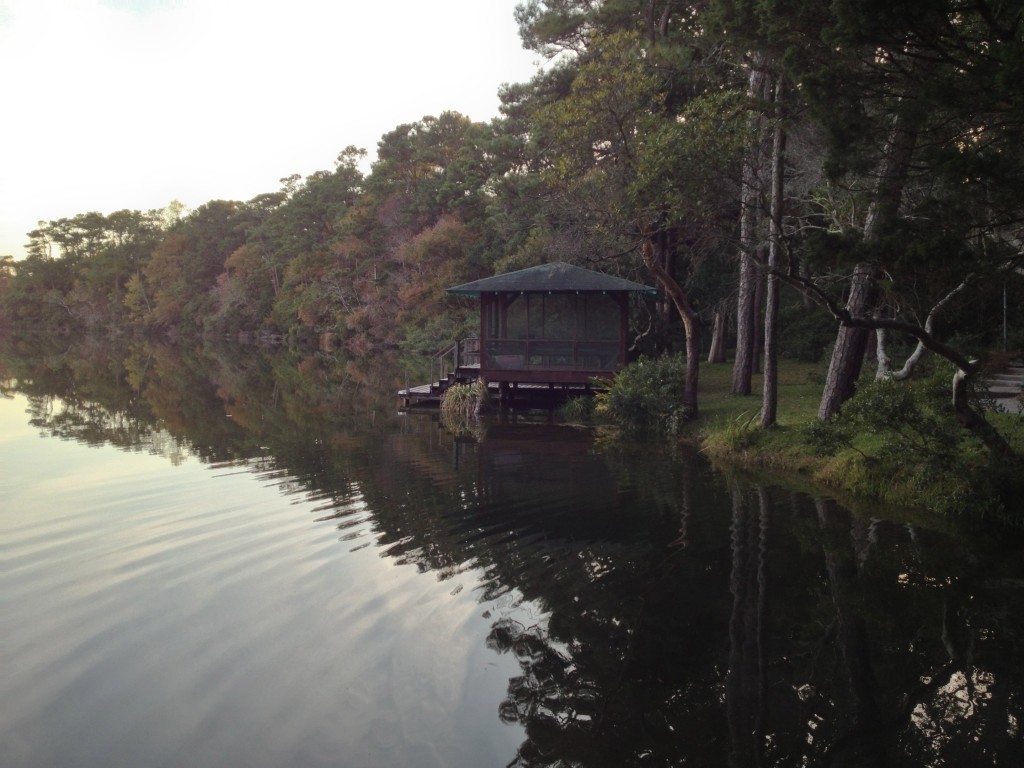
845	317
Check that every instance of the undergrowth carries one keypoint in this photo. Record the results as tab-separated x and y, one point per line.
898	442
646	397
578	409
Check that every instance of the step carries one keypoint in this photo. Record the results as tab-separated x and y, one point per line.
1000	394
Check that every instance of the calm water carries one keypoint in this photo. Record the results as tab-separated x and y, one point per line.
248	559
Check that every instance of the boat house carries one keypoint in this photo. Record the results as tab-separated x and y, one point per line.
556	325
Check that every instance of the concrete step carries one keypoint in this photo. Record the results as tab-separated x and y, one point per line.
1004	394
1006	387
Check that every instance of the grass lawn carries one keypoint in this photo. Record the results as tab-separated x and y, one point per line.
800	387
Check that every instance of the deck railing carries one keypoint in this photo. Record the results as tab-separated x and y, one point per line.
462	353
551	354
528	354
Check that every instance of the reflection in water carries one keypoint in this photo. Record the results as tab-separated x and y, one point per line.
648	612
860	741
745	677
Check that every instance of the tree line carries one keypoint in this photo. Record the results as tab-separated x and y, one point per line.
840	179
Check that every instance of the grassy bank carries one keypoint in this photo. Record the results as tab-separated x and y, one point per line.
904	449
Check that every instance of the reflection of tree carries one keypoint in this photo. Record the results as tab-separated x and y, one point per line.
218	404
81	394
630	651
860	742
653	621
137	398
874	666
624	663
551	697
745	680
924	681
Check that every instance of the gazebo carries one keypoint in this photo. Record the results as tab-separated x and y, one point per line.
555	324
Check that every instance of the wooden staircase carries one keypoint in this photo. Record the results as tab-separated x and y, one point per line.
432	393
457	364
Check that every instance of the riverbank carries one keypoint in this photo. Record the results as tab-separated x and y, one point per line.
926	463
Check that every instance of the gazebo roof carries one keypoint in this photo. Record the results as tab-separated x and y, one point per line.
556	276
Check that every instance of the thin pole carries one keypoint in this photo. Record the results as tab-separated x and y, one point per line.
1004	318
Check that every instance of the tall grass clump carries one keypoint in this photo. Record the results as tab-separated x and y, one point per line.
578	409
462	403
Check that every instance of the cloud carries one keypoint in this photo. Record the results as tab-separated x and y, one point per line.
122	104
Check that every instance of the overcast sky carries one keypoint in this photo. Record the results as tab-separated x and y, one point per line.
113	104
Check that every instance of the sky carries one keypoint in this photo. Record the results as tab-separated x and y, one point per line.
114	104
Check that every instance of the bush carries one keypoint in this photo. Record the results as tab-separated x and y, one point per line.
907	437
909	423
647	396
462	402
578	409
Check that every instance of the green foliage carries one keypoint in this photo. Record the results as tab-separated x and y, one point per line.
182	271
905	435
805	332
909	424
578	410
687	165
740	433
646	397
827	438
77	271
637	130
461	404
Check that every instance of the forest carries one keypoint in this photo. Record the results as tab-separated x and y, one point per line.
833	181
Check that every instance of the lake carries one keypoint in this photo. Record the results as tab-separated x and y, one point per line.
252	558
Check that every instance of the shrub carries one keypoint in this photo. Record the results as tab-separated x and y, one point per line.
578	409
907	437
463	402
646	397
909	423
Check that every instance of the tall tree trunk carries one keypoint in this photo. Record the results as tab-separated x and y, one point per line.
852	341
667	258
851	344
770	390
719	329
759	293
657	24
746	312
743	364
691	322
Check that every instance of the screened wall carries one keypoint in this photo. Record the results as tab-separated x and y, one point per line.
553	331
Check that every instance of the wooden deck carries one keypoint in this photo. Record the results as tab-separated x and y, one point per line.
524	394
460	364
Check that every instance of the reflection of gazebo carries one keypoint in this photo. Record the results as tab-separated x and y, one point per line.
557	325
